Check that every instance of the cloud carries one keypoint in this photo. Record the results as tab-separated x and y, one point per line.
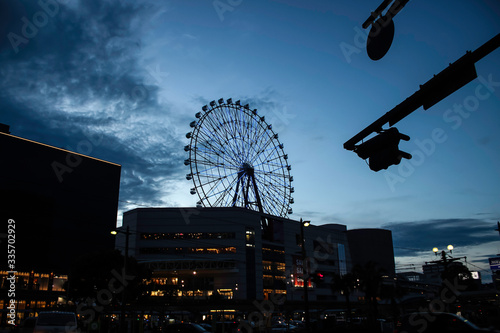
412	238
78	79
83	77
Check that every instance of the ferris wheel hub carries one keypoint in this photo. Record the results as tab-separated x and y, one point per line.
247	168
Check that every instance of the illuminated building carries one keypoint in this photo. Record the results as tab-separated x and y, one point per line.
225	253
35	291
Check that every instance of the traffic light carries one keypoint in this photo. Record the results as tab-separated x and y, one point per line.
382	150
317	278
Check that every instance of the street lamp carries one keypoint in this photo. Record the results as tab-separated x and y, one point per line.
443	253
305	276
126	233
125	259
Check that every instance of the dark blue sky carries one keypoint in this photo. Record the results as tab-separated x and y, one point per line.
129	76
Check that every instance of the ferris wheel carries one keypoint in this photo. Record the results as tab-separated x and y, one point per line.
236	160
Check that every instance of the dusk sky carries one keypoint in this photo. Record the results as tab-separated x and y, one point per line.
129	76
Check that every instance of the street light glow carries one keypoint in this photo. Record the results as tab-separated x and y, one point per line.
114	232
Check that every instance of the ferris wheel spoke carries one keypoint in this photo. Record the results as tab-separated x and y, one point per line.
267	165
218	195
270	189
231	140
213	186
212	176
222	141
207	160
277	173
264	149
274	177
276	169
210	180
209	135
273	203
259	134
250	133
212	134
277	158
266	157
227	193
222	148
211	164
270	173
238	133
209	151
207	155
271	206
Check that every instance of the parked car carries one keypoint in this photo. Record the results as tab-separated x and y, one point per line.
184	328
436	322
28	325
227	327
206	326
55	322
283	328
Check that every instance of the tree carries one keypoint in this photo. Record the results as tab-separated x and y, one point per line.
100	274
370	282
345	284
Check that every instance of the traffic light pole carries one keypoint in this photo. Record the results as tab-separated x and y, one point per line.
452	78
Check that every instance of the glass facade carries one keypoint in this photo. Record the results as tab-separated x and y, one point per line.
34	292
342	260
273	269
187	250
187	235
35	281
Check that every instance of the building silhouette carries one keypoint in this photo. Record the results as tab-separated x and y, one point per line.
63	205
372	245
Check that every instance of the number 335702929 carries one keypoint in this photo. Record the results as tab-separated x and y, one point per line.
11	240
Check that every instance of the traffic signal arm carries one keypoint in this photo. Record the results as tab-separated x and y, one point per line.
406	107
452	78
392	11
